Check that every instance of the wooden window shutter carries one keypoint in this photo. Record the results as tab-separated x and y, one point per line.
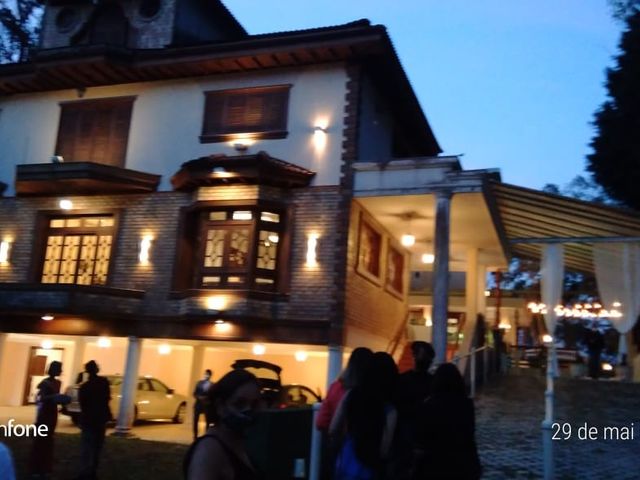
260	112
95	131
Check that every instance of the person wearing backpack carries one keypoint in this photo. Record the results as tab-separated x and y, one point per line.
221	453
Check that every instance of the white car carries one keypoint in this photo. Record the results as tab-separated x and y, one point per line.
154	401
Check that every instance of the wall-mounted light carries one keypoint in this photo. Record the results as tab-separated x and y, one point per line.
487	293
5	247
47	317
301	356
145	247
320	136
221	326
104	342
312	246
259	349
428	258
65	204
164	349
216	303
547	339
47	344
241	143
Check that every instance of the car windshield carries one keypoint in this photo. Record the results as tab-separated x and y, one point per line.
263	373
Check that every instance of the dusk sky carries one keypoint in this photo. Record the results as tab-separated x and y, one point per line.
511	84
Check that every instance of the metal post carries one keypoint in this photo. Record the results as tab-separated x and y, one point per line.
547	424
473	373
485	365
316	446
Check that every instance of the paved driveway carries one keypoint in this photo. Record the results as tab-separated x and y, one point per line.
158	431
508	417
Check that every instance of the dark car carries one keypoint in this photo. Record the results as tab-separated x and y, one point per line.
274	394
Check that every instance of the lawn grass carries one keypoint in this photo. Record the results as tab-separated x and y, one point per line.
122	458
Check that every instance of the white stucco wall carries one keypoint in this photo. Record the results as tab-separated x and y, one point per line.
167	121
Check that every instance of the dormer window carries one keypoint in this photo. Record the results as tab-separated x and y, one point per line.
95	130
254	113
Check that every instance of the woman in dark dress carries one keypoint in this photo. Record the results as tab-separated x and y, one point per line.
446	446
47	401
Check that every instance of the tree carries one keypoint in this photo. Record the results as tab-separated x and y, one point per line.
623	9
615	161
19	28
581	188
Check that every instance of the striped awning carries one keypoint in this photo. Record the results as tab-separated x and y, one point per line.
531	218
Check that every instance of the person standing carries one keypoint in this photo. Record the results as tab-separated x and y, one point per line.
201	394
94	396
414	387
221	453
366	420
595	345
47	401
445	438
7	472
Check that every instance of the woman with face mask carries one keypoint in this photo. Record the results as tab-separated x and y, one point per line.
221	453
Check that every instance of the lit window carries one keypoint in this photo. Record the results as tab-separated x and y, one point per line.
78	250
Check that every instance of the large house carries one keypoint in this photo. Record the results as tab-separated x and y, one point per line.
179	194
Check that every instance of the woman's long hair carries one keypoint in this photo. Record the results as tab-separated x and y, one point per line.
367	406
354	373
448	381
224	388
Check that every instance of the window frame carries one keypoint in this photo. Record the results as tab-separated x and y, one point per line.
42	231
360	267
393	248
249	132
189	262
129	100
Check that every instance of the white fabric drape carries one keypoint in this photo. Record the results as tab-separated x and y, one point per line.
617	268
552	282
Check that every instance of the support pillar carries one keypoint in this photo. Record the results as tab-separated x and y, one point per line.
441	274
129	387
197	368
471	304
78	356
3	347
334	367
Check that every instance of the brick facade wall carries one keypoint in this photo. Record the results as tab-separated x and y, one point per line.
370	307
312	289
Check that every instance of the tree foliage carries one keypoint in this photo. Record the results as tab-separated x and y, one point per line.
615	161
19	28
581	188
623	9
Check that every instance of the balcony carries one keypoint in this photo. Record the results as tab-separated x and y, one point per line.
81	178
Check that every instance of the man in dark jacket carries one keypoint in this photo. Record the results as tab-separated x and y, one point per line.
94	396
201	394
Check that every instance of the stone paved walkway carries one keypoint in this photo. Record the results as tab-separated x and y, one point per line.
509	412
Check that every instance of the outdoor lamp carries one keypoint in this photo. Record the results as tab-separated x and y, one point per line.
5	246
145	246
312	246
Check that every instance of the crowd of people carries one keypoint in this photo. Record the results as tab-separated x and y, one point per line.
377	424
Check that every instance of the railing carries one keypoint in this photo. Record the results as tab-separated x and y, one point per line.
472	355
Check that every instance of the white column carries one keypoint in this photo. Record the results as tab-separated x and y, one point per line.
129	387
471	304
482	287
3	346
197	369
334	367
441	275
78	356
